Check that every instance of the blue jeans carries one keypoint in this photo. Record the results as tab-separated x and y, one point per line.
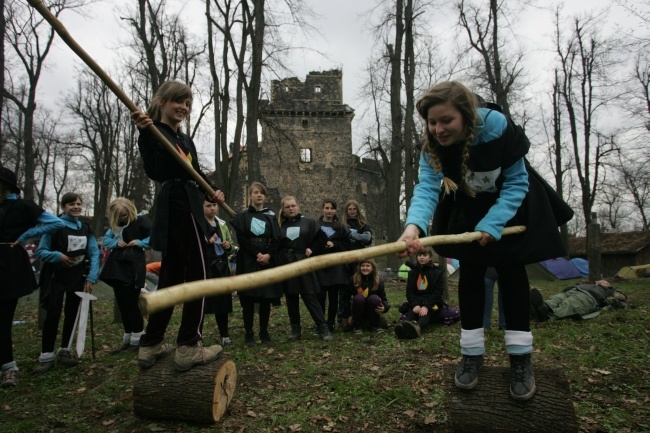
489	302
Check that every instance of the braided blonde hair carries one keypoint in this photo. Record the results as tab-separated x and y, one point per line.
466	103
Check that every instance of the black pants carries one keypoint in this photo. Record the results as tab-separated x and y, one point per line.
423	321
53	316
513	283
127	301
184	261
248	309
7	311
331	292
312	304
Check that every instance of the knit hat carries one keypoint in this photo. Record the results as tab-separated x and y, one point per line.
9	178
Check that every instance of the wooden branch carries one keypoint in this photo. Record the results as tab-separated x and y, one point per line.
169	296
63	33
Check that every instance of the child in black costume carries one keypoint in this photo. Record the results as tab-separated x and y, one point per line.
302	238
258	236
65	254
220	248
473	177
20	220
368	299
125	268
335	280
424	289
179	229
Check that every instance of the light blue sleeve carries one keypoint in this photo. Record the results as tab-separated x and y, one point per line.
109	241
49	223
513	192
425	196
93	253
144	243
44	251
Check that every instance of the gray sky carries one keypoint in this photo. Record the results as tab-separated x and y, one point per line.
345	38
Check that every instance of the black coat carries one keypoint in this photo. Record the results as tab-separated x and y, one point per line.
299	234
219	268
16	274
335	275
424	286
257	232
126	266
179	193
541	211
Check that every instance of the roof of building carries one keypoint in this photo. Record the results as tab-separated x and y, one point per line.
613	243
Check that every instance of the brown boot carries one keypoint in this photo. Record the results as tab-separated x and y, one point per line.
189	356
148	355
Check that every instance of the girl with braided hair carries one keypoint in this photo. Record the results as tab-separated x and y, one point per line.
473	177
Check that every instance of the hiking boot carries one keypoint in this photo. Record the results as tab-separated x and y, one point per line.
296	333
538	308
44	367
522	377
411	330
266	338
188	356
9	378
64	357
226	341
316	331
399	330
325	333
147	355
358	331
466	376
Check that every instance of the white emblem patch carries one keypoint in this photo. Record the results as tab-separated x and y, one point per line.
258	226
483	181
293	233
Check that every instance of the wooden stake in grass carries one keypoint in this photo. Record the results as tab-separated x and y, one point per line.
161	299
63	33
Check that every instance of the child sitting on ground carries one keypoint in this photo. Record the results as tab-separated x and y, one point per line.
424	289
369	300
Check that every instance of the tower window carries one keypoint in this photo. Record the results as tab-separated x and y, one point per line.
286	88
317	89
305	123
305	154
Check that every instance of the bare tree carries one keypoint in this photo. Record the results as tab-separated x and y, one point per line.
497	70
30	38
101	117
585	58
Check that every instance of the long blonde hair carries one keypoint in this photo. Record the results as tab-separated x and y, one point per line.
466	103
171	90
285	199
114	209
360	217
374	275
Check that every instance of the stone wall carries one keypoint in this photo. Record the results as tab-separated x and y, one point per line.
306	150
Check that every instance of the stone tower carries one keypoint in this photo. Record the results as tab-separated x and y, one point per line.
306	149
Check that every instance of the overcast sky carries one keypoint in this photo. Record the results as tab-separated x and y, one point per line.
345	38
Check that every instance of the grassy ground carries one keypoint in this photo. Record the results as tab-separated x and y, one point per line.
372	383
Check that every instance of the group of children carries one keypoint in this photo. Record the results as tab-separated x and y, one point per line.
473	177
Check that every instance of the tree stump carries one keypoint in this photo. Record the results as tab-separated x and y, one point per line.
489	408
201	394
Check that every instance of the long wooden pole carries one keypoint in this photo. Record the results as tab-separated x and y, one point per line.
165	298
63	33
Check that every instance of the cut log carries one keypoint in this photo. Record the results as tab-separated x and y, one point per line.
201	394
490	408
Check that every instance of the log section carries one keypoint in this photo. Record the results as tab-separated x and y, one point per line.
489	408
201	394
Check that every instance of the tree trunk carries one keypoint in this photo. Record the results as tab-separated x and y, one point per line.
490	408
200	395
593	249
